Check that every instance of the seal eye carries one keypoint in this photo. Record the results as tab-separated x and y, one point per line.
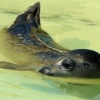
86	65
65	65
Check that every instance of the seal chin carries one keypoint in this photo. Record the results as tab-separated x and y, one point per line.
46	71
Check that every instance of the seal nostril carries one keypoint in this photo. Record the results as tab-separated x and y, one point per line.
46	71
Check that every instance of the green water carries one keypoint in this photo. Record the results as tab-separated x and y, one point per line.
73	24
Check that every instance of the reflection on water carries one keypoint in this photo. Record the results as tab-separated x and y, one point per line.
75	43
9	11
89	89
80	90
73	24
42	88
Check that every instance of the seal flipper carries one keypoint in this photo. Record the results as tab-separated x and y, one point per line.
12	66
33	10
7	65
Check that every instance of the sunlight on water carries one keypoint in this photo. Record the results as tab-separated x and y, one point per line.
73	24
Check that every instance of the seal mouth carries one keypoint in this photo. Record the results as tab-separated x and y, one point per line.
46	71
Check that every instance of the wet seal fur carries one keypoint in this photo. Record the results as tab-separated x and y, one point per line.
35	49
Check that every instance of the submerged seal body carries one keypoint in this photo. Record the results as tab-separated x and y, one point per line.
31	48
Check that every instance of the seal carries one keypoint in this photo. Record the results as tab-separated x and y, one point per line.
31	48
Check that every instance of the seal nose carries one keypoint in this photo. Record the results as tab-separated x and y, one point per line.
46	71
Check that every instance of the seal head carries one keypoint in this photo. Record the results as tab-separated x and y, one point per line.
76	63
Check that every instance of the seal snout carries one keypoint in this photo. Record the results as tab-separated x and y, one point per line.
46	71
